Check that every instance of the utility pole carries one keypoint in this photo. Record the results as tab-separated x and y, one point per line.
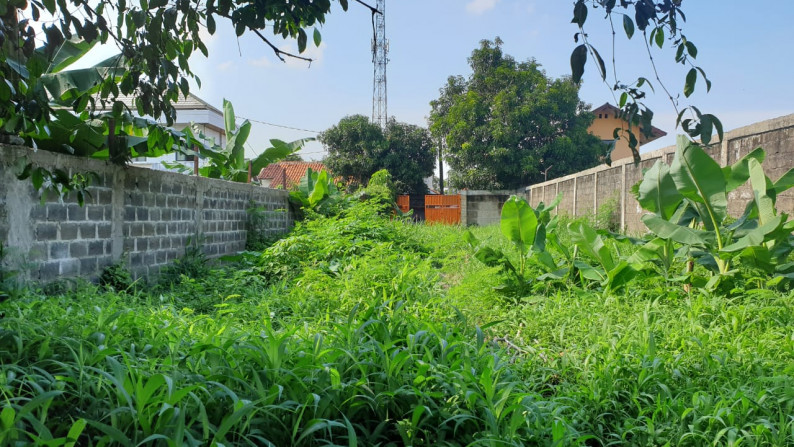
546	173
441	165
380	53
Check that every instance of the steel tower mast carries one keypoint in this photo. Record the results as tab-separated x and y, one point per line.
380	52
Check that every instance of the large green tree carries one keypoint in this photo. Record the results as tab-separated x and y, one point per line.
357	148
155	39
508	124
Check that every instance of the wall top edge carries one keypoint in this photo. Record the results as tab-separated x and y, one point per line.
769	125
51	159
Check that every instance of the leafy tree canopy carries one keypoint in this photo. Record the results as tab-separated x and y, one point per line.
155	39
358	148
505	124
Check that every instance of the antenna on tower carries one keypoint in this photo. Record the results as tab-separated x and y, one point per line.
380	52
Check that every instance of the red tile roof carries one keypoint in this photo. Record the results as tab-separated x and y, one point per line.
287	174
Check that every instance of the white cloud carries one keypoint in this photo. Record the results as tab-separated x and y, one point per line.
480	6
263	61
225	66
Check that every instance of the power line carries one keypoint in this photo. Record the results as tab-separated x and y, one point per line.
278	125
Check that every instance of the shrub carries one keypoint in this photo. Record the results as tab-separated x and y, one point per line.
116	277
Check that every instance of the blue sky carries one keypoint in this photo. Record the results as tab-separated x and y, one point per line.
744	50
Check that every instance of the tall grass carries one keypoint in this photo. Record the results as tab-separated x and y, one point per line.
360	330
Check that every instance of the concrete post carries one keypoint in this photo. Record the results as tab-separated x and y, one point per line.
117	213
623	199
575	192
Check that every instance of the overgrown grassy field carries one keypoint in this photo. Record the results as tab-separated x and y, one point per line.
363	330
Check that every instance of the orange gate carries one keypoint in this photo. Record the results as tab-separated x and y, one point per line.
442	209
404	203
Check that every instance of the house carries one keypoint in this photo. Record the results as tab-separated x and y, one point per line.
191	110
286	174
607	118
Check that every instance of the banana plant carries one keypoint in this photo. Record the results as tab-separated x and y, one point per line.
526	228
688	204
229	162
609	272
316	190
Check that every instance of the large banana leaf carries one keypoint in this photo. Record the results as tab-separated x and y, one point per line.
519	223
700	179
755	237
658	193
65	86
68	53
738	173
681	234
278	151
591	244
321	188
761	185
785	182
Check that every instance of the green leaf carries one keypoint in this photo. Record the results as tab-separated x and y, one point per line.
579	13
658	193
74	432
761	184
317	37
628	26
519	223
785	182
677	233
691	49
50	5
738	173
691	79
210	24
706	129
590	243
578	59
7	417
470	239
301	40
601	66
659	37
228	117
755	237
700	179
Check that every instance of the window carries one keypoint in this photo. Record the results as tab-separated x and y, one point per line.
182	157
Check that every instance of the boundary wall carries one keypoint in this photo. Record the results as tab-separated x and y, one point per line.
142	217
587	191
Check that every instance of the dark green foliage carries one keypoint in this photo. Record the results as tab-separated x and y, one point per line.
257	237
382	191
8	276
505	124
193	264
358	148
116	277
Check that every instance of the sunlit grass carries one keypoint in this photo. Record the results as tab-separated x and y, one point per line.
366	331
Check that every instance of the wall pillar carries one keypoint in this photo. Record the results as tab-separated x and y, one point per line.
117	213
623	198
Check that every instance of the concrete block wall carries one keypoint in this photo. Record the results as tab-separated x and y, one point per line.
143	217
596	186
483	207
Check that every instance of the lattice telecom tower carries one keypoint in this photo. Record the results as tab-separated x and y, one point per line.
380	52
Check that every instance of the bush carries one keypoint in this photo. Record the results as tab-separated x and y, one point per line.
116	277
193	264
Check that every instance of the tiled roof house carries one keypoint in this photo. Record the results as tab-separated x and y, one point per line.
286	174
607	118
